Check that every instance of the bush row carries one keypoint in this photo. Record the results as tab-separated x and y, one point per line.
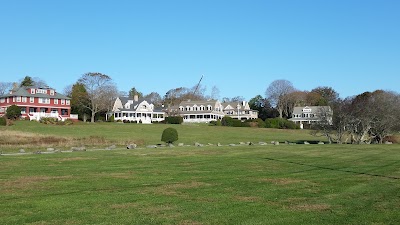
277	123
55	121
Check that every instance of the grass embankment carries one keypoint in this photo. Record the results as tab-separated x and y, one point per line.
31	135
285	184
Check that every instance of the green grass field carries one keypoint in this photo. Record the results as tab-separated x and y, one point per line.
285	184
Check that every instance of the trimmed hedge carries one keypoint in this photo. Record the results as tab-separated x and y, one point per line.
174	120
279	123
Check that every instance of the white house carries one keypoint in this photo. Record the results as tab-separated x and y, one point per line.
199	111
239	110
311	114
137	110
212	110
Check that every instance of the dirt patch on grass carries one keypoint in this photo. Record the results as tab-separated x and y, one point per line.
247	198
283	181
310	207
175	188
24	183
127	175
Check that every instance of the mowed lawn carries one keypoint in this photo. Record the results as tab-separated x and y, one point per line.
284	184
103	134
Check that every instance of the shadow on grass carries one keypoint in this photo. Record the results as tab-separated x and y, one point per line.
338	170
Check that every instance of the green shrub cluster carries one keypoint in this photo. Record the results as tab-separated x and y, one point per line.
55	121
280	123
13	112
169	135
230	122
3	121
216	123
174	120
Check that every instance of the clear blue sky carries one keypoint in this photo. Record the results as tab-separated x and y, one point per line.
239	46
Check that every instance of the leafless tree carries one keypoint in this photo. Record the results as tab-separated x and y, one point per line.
155	98
5	87
215	93
101	92
278	94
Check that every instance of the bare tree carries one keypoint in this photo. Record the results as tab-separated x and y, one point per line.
5	87
155	98
100	91
215	93
277	93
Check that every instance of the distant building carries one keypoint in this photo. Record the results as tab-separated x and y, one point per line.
37	102
137	110
239	110
212	110
311	114
199	111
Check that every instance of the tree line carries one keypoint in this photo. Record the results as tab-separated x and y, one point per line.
369	117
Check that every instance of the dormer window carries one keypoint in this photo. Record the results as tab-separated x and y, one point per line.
41	91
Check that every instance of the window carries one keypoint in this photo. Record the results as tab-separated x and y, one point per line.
44	100
23	110
23	99
2	100
41	91
51	92
56	101
62	101
67	102
18	99
32	91
32	99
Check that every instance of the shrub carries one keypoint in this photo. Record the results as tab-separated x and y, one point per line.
3	121
13	112
169	135
48	120
279	123
111	118
238	123
216	123
174	120
227	121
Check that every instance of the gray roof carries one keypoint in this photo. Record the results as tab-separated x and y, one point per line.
125	100
190	103
23	92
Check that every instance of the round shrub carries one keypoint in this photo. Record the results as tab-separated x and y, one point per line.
13	112
169	135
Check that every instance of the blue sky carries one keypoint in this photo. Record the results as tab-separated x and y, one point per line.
239	46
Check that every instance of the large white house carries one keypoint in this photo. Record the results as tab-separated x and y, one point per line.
239	110
212	110
311	114
137	110
199	111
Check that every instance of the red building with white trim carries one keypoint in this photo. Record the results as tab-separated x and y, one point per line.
36	103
